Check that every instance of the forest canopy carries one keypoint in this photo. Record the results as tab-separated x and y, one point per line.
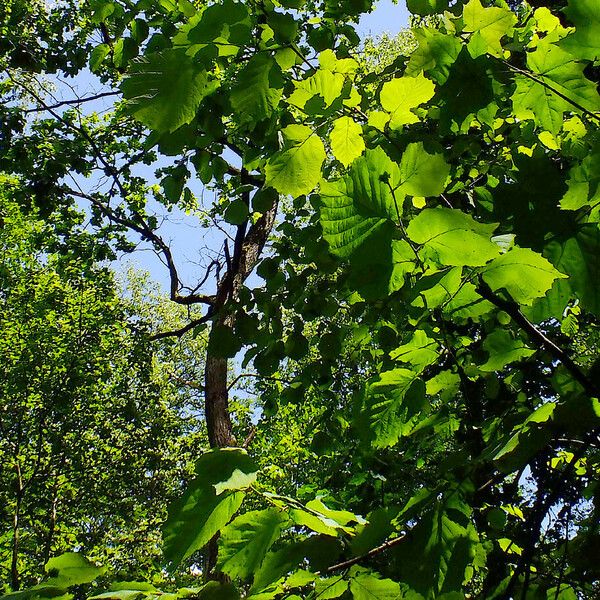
381	378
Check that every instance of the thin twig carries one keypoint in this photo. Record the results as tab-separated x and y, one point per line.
50	107
342	566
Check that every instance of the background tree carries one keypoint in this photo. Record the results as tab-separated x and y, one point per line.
94	441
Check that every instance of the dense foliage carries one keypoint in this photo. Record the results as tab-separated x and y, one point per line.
423	348
93	440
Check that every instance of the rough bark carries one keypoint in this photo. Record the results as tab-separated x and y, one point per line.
247	251
15	580
216	398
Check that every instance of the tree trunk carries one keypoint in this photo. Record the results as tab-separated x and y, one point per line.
218	420
15	580
247	251
52	516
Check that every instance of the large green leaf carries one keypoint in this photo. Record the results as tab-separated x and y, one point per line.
435	54
346	139
583	184
452	237
579	258
258	89
71	568
421	173
317	549
523	273
333	587
245	541
213	590
367	586
426	7
503	349
164	89
583	43
324	86
211	499
468	92
357	206
556	71
440	548
419	352
296	168
221	29
401	95
489	24
391	406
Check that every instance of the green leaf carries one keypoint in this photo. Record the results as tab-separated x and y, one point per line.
426	7
441	547
296	169
503	349
317	549
258	89
392	405
164	89
468	92
466	303
237	212
318	523
332	587
401	95
421	173
173	188
359	205
284	26
367	586
221	29
99	53
223	341
583	182
435	54
491	24
215	590
346	140
323	84
208	503
583	43
373	533
71	568
439	288
244	543
523	273
419	352
452	237
579	258
340	518
556	71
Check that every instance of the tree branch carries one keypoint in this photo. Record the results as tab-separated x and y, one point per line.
541	82
183	330
513	309
342	566
50	107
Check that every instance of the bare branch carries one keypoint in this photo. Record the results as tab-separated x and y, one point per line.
342	566
183	330
74	101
